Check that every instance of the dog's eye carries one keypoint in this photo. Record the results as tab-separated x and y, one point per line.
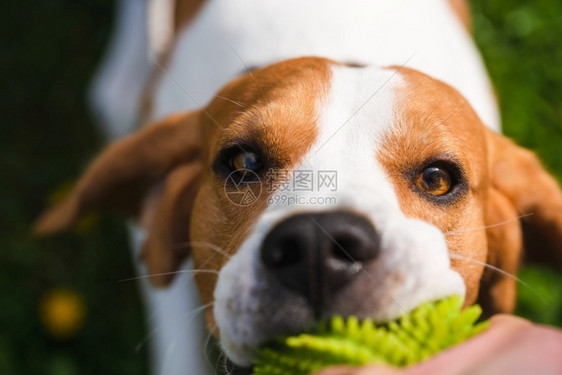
239	159
245	160
434	180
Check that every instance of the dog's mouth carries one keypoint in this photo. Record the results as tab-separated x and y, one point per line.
233	369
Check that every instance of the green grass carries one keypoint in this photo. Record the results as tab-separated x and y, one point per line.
541	300
522	46
521	42
49	50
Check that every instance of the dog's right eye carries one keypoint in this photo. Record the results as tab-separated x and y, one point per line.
245	160
238	159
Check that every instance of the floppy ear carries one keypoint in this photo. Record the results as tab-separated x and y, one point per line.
168	223
497	292
519	185
121	176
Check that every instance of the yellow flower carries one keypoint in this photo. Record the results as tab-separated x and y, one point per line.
62	312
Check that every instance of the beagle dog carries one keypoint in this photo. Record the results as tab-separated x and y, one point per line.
363	182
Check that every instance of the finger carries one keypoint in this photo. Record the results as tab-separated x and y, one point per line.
456	360
503	329
508	322
369	370
338	371
536	350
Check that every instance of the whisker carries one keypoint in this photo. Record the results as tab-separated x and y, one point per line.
198	309
464	230
500	271
221	97
172	298
169	273
248	70
199	106
192	314
210	245
361	269
231	101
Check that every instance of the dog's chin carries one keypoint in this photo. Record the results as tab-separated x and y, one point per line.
233	369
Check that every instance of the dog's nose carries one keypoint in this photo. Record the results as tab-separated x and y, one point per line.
316	254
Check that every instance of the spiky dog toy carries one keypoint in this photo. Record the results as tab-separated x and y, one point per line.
427	330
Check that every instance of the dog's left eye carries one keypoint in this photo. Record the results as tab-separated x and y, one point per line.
434	180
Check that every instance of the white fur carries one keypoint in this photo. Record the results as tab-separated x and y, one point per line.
117	87
380	32
176	323
160	26
351	122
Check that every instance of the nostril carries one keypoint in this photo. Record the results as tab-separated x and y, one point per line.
343	248
354	241
286	252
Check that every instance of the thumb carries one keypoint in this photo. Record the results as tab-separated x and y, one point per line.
366	370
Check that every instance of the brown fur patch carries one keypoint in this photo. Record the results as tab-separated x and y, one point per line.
435	122
462	11
167	244
497	292
519	176
278	114
185	11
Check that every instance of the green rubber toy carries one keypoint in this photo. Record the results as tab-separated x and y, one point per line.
412	338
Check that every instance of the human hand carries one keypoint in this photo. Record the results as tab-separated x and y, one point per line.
510	346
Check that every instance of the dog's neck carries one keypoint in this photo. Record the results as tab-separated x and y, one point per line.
227	37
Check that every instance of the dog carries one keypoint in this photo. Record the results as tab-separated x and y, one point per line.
424	198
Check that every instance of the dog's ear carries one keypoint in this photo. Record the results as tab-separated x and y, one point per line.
518	186
167	217
121	176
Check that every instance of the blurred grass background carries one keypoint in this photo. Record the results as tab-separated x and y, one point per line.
49	51
521	42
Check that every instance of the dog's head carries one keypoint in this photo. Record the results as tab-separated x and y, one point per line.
314	188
